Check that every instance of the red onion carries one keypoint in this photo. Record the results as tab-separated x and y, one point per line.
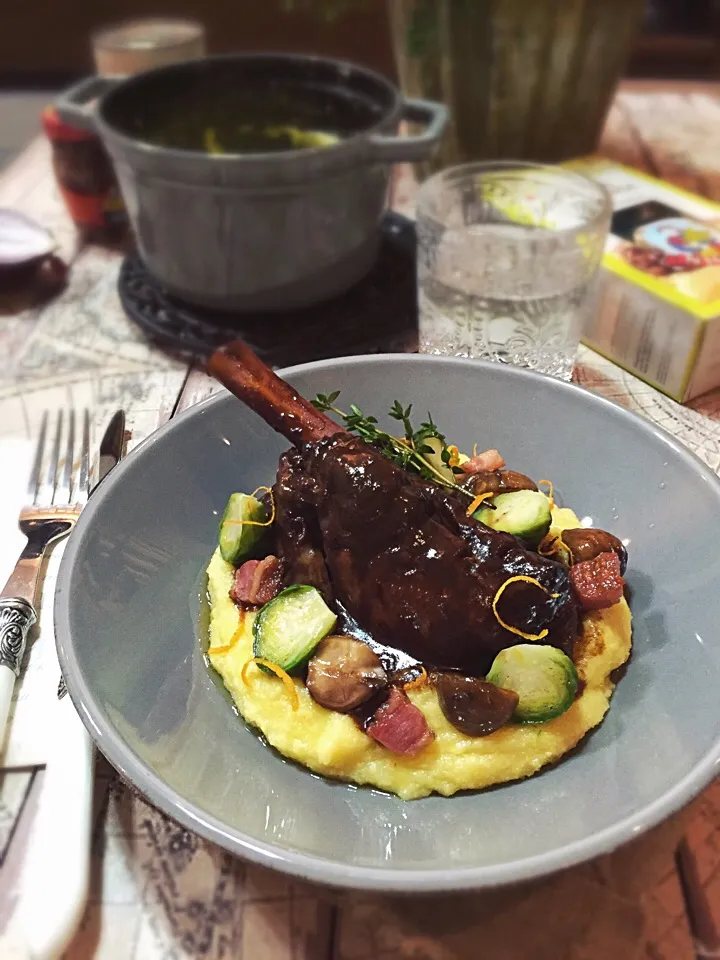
22	239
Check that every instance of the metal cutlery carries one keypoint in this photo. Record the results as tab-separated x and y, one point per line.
55	879
112	447
57	492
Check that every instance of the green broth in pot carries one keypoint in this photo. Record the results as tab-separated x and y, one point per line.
258	118
248	137
270	139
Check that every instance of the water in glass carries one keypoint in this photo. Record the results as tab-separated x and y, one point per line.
494	289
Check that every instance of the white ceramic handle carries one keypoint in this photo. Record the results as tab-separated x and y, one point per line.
7	684
16	618
54	884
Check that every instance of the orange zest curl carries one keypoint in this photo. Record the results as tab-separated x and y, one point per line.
279	672
419	681
480	498
551	491
553	546
507	626
259	523
234	639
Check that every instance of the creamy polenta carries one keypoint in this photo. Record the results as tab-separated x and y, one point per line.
330	743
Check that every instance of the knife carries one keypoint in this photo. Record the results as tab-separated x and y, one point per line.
112	448
54	883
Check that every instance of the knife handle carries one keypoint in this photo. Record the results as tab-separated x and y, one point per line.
16	618
55	880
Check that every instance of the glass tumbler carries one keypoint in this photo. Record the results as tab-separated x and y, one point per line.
137	45
507	253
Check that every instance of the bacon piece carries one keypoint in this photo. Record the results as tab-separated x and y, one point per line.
258	581
487	460
400	726
598	583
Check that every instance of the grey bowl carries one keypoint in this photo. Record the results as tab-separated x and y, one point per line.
127	612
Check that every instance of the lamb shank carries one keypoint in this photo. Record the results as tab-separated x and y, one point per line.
396	553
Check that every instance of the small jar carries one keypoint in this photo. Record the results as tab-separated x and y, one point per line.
86	179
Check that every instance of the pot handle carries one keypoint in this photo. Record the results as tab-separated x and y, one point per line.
76	105
397	149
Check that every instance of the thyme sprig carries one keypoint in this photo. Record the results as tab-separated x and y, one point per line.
410	451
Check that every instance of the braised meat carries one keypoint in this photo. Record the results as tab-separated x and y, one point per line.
297	531
403	558
399	553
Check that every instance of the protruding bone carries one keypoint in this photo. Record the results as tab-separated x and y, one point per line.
253	382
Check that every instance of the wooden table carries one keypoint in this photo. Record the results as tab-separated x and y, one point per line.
160	892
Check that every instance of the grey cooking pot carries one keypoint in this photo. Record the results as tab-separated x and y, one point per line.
253	230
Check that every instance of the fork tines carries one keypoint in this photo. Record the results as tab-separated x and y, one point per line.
52	476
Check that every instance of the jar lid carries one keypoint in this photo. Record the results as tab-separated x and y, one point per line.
57	129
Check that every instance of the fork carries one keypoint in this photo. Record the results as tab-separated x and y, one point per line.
57	493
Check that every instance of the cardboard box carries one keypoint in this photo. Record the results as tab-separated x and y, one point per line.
658	294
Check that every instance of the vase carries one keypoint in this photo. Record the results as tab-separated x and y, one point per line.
524	79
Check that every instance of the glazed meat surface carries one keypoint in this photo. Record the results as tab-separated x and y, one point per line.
406	562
